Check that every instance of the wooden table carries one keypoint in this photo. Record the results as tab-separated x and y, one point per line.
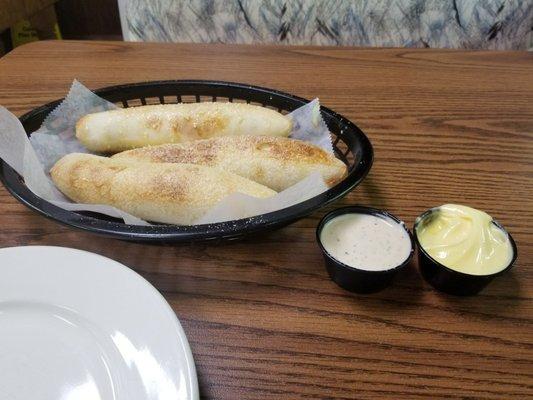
263	319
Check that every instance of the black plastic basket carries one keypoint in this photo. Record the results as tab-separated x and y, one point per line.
349	142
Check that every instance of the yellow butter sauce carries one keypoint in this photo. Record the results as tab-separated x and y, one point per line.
465	240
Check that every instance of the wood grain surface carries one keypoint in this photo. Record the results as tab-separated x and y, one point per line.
263	319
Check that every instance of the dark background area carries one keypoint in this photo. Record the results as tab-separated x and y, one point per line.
76	19
89	19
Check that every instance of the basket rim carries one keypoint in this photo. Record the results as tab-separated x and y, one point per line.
187	233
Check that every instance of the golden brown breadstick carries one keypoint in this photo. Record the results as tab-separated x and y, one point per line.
162	192
275	162
123	129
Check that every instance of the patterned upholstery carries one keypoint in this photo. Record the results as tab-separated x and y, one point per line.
475	24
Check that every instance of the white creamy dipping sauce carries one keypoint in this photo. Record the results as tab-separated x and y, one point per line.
364	241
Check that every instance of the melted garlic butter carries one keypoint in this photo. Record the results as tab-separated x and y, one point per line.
465	239
366	241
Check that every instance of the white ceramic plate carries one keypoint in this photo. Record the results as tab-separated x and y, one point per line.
79	326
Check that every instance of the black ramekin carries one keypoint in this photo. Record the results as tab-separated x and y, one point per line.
448	280
355	279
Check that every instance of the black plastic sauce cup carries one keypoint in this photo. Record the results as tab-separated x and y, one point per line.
448	280
356	279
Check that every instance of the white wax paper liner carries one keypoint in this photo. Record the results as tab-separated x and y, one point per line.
33	158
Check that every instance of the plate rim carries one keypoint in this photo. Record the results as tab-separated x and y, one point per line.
182	337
